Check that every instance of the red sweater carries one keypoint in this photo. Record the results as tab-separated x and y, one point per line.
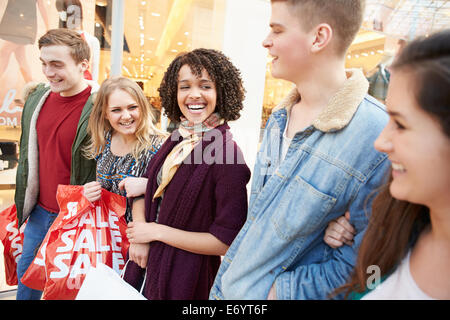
56	127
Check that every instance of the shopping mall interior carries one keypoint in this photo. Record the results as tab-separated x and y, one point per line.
155	31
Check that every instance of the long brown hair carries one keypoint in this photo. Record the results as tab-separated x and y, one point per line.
393	227
394	224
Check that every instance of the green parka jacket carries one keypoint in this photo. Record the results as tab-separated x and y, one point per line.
27	177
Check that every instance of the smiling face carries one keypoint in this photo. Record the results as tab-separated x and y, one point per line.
416	145
287	42
123	113
61	70
196	96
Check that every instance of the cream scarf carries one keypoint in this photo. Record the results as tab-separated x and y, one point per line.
192	135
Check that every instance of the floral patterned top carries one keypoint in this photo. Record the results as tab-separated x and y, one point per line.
112	169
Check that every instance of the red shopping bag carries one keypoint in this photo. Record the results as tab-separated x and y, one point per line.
35	277
12	239
82	235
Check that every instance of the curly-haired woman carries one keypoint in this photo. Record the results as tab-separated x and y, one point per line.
196	197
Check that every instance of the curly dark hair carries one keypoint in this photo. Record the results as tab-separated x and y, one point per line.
226	77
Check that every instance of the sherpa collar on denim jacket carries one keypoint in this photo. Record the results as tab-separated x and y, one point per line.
341	107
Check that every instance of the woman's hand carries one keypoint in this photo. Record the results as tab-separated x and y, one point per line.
339	232
92	191
138	252
134	187
141	232
195	242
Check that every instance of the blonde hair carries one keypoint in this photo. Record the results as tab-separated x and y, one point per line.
98	125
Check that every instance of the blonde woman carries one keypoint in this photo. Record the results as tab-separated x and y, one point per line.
123	139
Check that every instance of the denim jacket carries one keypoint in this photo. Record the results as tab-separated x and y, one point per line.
330	167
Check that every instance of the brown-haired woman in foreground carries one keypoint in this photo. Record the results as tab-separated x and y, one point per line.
407	242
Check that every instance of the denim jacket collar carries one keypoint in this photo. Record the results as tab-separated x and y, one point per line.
341	107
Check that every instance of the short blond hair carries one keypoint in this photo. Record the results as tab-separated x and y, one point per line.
345	17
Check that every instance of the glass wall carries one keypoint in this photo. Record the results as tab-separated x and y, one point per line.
388	25
154	33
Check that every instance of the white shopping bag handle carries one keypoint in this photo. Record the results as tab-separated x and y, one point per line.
122	274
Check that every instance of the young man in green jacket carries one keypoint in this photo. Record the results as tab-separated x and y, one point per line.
54	122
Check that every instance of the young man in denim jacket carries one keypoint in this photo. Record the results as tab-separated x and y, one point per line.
316	160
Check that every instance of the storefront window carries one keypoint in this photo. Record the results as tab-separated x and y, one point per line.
21	23
275	90
154	33
388	25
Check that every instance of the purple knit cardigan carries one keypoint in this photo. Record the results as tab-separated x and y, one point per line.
201	197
